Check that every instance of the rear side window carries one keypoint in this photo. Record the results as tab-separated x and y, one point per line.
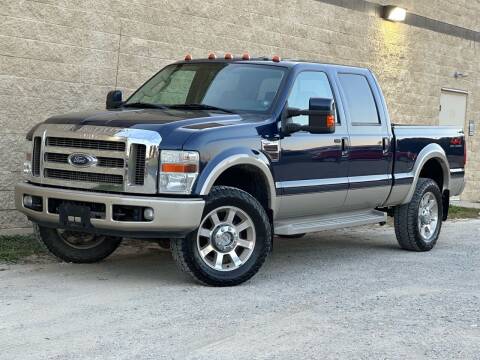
360	101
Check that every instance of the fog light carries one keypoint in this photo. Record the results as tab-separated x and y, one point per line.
148	214
27	201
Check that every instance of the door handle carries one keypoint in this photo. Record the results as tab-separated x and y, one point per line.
345	146
386	145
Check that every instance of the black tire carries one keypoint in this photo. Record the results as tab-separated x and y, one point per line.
186	252
406	218
164	244
62	249
295	236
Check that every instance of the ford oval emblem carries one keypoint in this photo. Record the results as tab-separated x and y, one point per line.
82	160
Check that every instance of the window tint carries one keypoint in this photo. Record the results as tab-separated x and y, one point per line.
233	86
172	88
244	87
360	100
308	84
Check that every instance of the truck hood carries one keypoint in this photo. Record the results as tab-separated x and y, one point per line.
173	125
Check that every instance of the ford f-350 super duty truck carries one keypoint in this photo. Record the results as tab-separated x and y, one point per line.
218	155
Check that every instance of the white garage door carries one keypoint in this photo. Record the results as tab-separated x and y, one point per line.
453	108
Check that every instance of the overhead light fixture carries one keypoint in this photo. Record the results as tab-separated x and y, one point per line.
394	13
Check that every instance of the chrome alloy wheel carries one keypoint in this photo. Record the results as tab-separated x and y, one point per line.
226	238
428	216
80	240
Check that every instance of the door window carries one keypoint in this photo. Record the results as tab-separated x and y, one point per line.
360	101
308	84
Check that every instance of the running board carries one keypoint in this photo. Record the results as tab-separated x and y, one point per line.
328	222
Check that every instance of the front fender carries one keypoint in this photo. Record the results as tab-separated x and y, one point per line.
233	157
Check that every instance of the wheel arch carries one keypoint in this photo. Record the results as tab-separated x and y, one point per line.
430	158
241	158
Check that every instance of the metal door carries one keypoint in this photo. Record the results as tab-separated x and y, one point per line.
453	108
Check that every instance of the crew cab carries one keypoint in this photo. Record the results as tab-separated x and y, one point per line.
220	155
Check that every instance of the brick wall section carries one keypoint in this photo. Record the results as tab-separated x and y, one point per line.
58	56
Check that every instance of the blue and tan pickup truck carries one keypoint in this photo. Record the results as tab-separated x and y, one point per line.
220	155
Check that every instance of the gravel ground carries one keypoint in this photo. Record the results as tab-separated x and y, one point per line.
344	294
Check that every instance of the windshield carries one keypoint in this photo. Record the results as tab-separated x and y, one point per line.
235	87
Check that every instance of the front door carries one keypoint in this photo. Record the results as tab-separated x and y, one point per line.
311	174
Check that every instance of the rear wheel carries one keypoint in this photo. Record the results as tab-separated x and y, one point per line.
418	223
231	243
77	247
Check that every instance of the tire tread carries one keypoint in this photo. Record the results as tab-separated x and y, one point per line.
405	219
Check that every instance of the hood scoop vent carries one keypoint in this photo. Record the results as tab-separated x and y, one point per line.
204	126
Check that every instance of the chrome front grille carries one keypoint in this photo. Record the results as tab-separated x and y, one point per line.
36	154
138	153
124	160
102	161
86	144
83	176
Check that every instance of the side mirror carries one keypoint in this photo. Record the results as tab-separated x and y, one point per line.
321	117
114	99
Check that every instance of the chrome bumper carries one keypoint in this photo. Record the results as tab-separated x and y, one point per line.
172	215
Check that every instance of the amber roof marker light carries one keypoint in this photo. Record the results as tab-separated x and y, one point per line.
246	56
276	58
188	57
394	13
228	56
212	56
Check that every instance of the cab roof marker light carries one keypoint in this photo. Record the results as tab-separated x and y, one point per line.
394	13
276	58
246	56
212	56
228	56
188	57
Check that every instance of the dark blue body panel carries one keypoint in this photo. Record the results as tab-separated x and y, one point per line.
409	143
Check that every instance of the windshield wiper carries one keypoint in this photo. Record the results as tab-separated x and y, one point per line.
142	105
199	107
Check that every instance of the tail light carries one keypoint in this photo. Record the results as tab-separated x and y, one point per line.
456	141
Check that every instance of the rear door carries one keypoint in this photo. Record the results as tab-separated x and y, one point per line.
370	152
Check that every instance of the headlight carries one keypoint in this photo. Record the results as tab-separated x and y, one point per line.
178	171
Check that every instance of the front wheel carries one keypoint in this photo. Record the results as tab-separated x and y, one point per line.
75	246
231	243
418	223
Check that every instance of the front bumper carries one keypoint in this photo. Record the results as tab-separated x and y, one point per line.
173	216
